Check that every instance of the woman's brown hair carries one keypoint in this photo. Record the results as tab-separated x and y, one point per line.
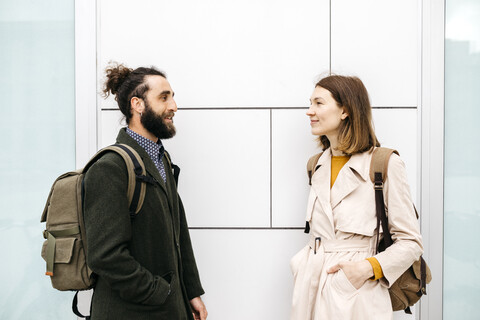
356	132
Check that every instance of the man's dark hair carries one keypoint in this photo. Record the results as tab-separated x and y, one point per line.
126	83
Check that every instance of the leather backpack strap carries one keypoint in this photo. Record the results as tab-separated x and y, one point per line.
423	276
378	175
379	162
312	166
75	308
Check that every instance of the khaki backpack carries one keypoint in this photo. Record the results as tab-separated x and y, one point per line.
64	249
412	284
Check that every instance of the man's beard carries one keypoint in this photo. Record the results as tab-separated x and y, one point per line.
155	123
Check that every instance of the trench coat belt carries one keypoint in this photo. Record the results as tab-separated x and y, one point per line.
335	245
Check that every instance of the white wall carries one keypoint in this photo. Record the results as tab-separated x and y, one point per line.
243	73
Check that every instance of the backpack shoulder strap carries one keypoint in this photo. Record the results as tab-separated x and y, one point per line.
378	175
136	173
311	166
379	163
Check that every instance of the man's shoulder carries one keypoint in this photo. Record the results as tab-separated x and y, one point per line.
108	162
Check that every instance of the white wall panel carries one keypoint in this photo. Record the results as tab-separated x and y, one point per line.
110	122
246	273
221	53
397	129
292	145
224	156
378	41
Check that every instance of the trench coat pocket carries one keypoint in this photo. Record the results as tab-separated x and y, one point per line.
342	285
296	261
164	287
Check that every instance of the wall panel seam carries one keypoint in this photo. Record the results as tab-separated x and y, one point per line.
330	36
271	108
271	173
245	228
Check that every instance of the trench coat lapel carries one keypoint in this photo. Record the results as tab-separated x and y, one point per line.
153	171
150	167
321	184
349	178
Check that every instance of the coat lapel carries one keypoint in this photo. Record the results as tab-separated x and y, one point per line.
150	167
349	178
321	184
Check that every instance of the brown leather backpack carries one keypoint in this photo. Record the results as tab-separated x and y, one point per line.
412	284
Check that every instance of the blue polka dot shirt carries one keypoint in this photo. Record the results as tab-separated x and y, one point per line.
154	150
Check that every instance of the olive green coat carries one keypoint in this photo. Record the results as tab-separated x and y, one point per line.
146	267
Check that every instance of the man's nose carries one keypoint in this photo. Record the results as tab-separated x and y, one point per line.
173	106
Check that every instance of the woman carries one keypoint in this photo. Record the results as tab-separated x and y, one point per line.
338	274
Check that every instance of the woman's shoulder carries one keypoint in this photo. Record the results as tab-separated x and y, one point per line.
396	167
393	154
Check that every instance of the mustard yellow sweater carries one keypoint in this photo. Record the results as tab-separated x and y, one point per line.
337	164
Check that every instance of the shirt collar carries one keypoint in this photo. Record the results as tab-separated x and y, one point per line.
154	150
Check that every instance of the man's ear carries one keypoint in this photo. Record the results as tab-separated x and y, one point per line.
137	104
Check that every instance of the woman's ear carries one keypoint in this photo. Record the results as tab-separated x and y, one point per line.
344	114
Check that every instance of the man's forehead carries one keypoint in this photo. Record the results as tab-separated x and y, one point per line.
158	83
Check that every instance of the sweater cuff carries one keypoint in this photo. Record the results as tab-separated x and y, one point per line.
377	269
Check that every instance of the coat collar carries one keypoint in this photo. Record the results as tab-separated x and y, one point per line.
321	183
360	164
150	167
349	178
355	171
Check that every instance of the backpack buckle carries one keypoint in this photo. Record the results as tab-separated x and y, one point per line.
378	185
143	178
317	239
45	234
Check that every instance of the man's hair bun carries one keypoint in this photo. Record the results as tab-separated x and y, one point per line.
116	76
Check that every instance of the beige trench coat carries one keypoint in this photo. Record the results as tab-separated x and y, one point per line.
343	227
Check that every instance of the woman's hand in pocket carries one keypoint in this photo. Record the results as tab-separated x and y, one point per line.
357	272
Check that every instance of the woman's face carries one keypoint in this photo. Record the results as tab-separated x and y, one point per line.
325	114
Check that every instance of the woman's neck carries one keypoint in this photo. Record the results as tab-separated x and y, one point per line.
333	147
337	153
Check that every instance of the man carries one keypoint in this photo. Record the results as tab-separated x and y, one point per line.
145	265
